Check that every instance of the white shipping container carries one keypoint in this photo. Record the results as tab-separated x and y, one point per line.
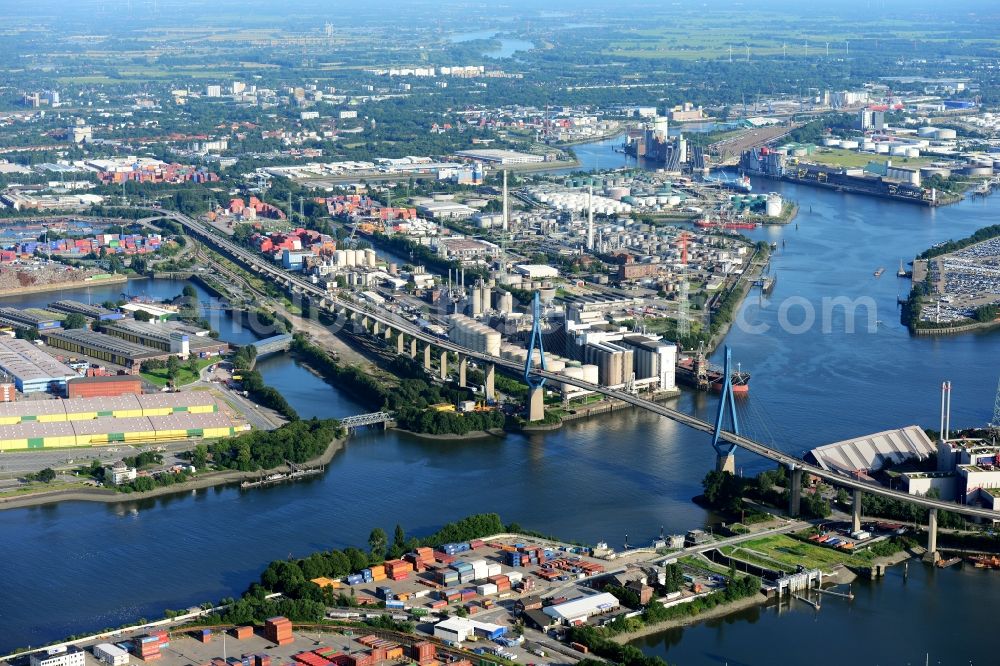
493	570
515	576
486	589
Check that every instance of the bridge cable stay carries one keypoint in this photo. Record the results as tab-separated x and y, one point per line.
725	460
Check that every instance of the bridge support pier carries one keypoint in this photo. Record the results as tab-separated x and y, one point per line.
400	342
932	552
794	491
856	512
376	328
491	373
444	366
427	356
463	367
536	404
364	322
725	462
413	347
388	333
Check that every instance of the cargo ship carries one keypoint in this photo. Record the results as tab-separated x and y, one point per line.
697	372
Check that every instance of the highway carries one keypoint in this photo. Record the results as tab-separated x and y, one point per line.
301	285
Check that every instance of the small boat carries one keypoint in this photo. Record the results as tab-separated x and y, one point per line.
878	273
902	271
985	561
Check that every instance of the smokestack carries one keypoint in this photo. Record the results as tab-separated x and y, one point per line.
944	388
461	284
506	214
947	414
590	217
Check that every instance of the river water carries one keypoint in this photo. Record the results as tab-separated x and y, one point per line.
79	566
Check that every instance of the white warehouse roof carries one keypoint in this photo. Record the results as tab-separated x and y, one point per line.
871	451
583	607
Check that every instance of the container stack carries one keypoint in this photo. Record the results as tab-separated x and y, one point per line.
148	647
278	630
423	652
262	660
204	635
398	569
384	592
501	583
242	633
355	579
468	594
377	573
466	572
486	589
366	576
455	548
480	570
443	557
448	577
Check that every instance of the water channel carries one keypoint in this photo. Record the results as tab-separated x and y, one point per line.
79	566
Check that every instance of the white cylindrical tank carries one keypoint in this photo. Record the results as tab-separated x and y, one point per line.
945	134
506	302
340	258
849	144
477	301
352	257
868	146
773	206
912	152
831	142
882	149
898	150
591	374
371	259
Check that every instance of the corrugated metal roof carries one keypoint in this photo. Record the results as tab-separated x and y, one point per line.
31	429
179	399
871	451
107	426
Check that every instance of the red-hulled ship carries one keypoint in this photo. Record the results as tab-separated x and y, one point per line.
696	371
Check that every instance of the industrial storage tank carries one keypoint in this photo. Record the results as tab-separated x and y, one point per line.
340	258
617	193
831	142
912	152
868	146
371	259
591	374
352	257
773	206
849	144
882	149
799	152
945	134
927	132
976	170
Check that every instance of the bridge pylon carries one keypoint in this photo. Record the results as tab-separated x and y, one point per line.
536	391
725	460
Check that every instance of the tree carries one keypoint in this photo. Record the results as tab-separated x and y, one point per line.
199	457
399	537
75	320
173	367
46	475
377	541
189	291
142	315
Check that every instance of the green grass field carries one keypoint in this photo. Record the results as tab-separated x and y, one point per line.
788	553
850	159
184	376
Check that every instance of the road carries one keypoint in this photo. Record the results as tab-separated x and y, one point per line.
340	305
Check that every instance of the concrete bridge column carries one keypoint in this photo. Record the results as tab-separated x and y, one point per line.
932	554
491	373
794	491
427	356
444	365
388	333
726	462
463	366
856	511
413	347
376	328
364	322
400	342
536	404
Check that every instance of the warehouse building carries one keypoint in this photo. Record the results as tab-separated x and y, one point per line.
102	431
157	312
117	407
459	629
59	656
499	156
580	610
8	391
170	337
112	655
33	370
29	320
96	312
109	386
104	347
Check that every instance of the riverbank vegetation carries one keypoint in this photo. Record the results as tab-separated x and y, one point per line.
295	442
724	492
411	400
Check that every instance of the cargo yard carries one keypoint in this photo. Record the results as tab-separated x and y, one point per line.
965	285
